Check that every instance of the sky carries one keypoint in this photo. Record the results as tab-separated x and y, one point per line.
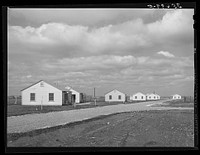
132	50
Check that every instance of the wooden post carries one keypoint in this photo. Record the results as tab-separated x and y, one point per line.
94	98
15	99
41	103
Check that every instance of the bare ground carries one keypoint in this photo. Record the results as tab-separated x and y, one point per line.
171	128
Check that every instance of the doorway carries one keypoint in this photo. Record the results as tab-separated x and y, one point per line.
73	98
66	98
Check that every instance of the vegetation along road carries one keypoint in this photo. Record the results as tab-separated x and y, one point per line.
29	122
154	128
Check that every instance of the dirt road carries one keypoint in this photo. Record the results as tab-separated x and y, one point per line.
156	128
29	122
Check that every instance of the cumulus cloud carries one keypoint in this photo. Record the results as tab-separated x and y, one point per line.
87	17
121	38
173	23
80	38
28	76
166	54
118	52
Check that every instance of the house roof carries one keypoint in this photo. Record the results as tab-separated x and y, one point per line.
138	93
176	95
115	89
60	87
31	85
150	94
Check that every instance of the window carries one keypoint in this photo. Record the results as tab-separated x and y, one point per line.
141	97
51	96
110	97
32	97
149	96
154	97
135	97
119	97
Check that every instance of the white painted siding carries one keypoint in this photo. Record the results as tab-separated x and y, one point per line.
41	95
176	96
77	94
115	96
158	96
138	97
151	97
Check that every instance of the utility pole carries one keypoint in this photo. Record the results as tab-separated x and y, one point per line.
41	102
15	99
94	98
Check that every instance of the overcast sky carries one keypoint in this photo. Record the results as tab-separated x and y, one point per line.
131	50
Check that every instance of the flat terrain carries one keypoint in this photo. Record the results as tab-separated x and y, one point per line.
17	110
156	128
29	122
176	103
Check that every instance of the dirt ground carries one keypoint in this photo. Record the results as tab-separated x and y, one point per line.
175	104
171	128
17	110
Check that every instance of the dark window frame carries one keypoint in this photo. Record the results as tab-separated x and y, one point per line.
110	97
119	97
32	98
51	98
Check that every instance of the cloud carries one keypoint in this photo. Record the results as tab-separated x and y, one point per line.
175	22
68	39
109	53
123	38
28	76
166	54
86	17
103	62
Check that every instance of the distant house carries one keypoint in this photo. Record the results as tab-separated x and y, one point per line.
76	96
43	93
115	96
151	96
176	96
158	96
138	97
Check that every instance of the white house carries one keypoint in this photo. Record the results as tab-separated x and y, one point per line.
75	95
158	96
43	93
115	96
176	96
138	97
151	96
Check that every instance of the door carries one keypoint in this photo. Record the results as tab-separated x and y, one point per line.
73	98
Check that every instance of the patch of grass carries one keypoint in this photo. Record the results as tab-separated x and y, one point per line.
16	110
144	128
15	136
177	103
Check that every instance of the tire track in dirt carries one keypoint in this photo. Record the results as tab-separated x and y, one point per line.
119	137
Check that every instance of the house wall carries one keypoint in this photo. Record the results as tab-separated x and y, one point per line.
151	97
176	97
139	97
78	97
158	97
41	95
115	94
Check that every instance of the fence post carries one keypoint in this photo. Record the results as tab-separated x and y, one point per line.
184	99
